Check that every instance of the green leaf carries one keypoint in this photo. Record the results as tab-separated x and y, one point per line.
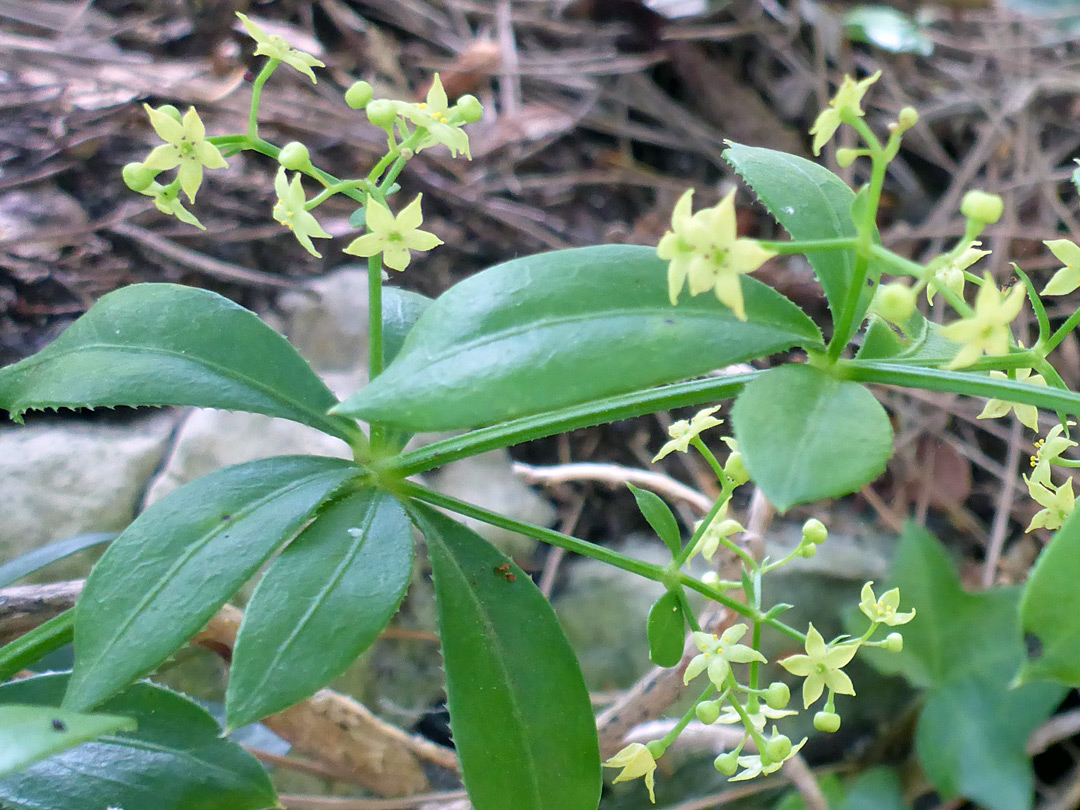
881	341
521	717
811	203
164	344
32	733
168	573
888	29
831	788
877	789
922	344
562	328
805	435
401	310
36	559
175	759
666	631
321	603
31	647
659	515
1049	607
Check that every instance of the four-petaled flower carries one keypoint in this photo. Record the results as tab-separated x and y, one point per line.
753	765
1057	503
718	654
168	202
951	274
636	761
822	666
683	432
393	236
185	146
275	47
987	330
1048	452
883	610
848	100
436	116
1027	414
289	211
1067	278
704	249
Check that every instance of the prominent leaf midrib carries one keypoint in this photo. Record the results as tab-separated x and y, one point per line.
205	540
200	764
464	587
331	583
224	371
814	417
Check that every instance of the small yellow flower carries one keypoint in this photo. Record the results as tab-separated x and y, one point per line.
168	202
718	654
185	146
1027	414
289	211
1057	503
683	432
987	330
951	274
756	765
393	236
275	47
883	610
636	761
442	122
1067	278
822	666
848	100
1048	452
721	528
704	249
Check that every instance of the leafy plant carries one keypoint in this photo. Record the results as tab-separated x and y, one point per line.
530	348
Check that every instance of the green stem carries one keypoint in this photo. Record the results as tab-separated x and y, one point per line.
909	268
376	356
809	245
759	739
1061	333
688	611
755	666
703	526
707	454
684	721
35	645
256	96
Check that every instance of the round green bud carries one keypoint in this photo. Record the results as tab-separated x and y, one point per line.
359	95
170	111
814	531
470	109
295	157
982	207
829	722
138	177
808	551
656	748
382	113
708	712
894	642
777	695
710	578
895	302
777	748
908	117
727	763
407	154
845	157
736	470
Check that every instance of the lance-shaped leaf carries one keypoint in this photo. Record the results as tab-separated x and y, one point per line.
666	631
165	344
169	572
519	711
562	328
320	604
660	517
32	733
174	760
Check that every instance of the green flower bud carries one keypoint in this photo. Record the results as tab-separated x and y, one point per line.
708	712
829	722
777	748
469	109
710	578
814	531
895	302
295	157
735	470
808	551
777	695
382	113
407	154
982	207
908	118
359	95
138	177
727	763
894	642
845	157
171	111
656	748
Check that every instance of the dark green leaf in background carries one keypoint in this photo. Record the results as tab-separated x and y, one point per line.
165	344
170	570
805	435
321	603
659	516
175	759
520	713
666	630
557	329
887	28
32	733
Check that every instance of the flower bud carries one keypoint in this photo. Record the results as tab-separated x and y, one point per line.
359	95
138	177
777	748
171	111
710	578
656	749
814	531
845	157
895	302
777	695
382	113
708	712
727	763
808	551
407	154
829	722
908	118
470	109
982	207
894	642
295	156
735	470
